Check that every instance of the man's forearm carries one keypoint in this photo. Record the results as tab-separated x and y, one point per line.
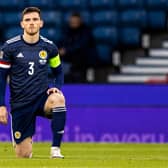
3	76
58	78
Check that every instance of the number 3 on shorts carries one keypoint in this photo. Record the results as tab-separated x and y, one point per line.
31	68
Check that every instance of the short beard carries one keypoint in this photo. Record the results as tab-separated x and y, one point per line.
32	34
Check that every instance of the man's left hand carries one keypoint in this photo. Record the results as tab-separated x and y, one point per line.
53	90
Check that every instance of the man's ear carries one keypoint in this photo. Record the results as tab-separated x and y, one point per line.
21	24
42	23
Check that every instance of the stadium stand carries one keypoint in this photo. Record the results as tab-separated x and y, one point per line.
130	36
44	4
117	26
133	17
52	18
102	4
11	18
104	51
106	34
53	33
105	17
130	4
157	19
73	5
12	31
156	4
12	5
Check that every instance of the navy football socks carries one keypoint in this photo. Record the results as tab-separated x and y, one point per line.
57	125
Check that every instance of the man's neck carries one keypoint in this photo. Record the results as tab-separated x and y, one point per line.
31	38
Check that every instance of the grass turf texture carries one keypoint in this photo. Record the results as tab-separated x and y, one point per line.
89	155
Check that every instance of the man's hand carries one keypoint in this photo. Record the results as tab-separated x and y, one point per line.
62	51
53	90
3	115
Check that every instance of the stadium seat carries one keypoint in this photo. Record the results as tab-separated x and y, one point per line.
12	4
133	18
130	3
86	16
103	4
130	36
106	34
112	20
12	32
157	19
105	17
157	4
11	18
52	17
46	4
73	4
1	19
51	33
104	53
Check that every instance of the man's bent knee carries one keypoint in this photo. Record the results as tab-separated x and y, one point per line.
24	149
56	100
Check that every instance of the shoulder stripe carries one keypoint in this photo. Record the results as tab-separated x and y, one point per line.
14	39
5	65
46	40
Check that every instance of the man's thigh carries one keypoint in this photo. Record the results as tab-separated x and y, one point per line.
24	118
41	107
23	124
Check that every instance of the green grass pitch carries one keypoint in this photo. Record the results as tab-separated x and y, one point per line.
89	155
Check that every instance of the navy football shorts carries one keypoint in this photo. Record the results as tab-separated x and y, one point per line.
24	118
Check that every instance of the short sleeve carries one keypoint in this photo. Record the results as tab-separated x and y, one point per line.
5	57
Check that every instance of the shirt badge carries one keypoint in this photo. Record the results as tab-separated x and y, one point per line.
17	135
43	54
43	57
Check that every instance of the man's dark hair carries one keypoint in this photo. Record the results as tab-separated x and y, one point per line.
30	10
75	14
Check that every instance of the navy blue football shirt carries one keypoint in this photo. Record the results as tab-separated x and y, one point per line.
27	65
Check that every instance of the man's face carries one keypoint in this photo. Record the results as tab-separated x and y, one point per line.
74	22
31	23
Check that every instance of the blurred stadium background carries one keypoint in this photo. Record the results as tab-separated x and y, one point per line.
131	35
125	100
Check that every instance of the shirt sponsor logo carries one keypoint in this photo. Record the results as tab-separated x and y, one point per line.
42	62
20	55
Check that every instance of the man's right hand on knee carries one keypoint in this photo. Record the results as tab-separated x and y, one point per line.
3	115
